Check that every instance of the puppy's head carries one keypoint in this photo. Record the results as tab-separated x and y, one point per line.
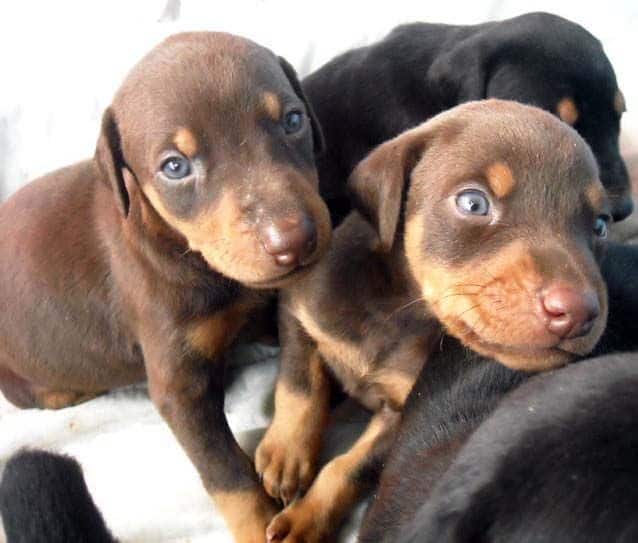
502	218
549	62
212	135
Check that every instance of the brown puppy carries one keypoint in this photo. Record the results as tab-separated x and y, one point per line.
142	262
489	219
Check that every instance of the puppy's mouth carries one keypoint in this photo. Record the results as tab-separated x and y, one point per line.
283	279
528	357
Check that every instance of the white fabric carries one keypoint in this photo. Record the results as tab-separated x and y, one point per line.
138	475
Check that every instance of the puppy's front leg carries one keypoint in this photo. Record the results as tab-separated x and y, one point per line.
316	517
287	456
187	388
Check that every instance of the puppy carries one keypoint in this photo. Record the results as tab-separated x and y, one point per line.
44	499
457	391
144	262
368	95
556	461
488	220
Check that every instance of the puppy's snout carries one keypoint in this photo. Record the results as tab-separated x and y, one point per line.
569	312
290	240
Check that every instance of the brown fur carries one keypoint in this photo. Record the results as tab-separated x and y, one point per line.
113	271
374	306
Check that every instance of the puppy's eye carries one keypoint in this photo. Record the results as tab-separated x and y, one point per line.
473	202
600	226
176	167
293	121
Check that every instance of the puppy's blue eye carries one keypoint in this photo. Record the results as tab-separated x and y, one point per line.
293	121
600	226
473	202
176	167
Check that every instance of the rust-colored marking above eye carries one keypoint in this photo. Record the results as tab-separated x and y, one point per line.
271	105
186	142
619	102
595	195
500	178
567	111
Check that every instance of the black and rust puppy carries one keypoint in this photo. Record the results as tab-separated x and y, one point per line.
371	94
44	499
145	261
556	461
488	219
456	391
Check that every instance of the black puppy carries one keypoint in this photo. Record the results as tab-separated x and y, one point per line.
371	94
44	499
457	391
555	462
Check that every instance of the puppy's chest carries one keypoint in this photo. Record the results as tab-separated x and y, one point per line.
375	350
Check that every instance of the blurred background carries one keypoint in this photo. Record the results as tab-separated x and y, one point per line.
62	61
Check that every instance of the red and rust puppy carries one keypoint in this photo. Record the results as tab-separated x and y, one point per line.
488	219
144	262
371	94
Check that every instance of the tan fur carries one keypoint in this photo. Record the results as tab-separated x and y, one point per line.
596	195
619	102
334	492
287	455
271	105
186	142
48	399
500	178
212	335
567	111
245	513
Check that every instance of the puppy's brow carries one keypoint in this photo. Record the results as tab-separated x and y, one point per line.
567	111
186	142
500	178
271	105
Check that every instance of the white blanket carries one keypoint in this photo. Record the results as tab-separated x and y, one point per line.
137	473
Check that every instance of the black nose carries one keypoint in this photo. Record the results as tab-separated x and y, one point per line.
290	240
622	208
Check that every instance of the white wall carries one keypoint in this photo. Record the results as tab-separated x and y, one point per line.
62	61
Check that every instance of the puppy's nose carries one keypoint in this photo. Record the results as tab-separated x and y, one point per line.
570	313
290	240
622	208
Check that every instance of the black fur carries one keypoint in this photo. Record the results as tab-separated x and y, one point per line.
555	462
368	95
44	499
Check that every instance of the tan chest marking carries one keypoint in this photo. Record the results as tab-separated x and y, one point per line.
212	335
334	350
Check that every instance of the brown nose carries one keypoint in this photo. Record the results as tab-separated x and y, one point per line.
570	313
290	240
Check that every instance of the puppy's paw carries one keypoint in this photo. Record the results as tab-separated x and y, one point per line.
300	522
286	466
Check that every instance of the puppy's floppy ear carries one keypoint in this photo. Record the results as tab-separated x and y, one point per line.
317	135
379	184
460	74
110	160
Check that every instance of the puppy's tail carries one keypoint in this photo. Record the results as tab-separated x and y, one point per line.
44	499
